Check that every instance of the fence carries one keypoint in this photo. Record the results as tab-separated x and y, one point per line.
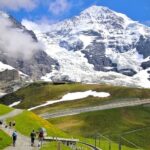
105	143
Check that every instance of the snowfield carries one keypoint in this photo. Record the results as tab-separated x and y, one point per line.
74	96
75	66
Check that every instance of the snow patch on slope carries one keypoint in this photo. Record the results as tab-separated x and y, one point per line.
130	59
2	94
143	78
86	40
15	104
74	96
4	67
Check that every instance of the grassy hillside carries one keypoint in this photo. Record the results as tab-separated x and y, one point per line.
117	94
38	93
4	109
5	140
27	121
111	123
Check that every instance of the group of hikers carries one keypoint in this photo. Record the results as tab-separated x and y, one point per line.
10	124
33	134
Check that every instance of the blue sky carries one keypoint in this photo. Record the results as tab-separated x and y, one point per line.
54	10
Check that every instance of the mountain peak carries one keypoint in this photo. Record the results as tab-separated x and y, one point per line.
96	10
102	12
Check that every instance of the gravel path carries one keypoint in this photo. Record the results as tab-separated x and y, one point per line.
11	114
96	108
23	142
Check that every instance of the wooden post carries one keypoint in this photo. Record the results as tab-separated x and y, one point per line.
59	146
109	145
120	144
99	141
95	141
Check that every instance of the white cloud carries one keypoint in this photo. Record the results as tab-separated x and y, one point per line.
37	26
59	6
18	4
14	42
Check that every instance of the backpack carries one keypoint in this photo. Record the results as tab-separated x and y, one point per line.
14	134
41	134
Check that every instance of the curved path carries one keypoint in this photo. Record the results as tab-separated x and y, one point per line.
96	108
90	146
23	142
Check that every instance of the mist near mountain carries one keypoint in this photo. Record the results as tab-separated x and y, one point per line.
16	43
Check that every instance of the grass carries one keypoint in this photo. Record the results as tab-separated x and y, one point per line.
4	109
104	144
54	146
27	121
38	93
111	123
117	94
82	146
5	140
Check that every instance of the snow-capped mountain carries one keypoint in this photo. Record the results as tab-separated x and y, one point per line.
99	45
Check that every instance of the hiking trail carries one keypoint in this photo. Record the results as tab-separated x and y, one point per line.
23	142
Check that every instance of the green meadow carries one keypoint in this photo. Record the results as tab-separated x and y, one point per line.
40	92
5	140
111	123
4	109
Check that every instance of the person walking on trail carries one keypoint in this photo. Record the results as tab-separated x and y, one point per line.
33	136
41	137
14	123
14	138
10	124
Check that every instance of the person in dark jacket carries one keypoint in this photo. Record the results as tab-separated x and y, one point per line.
33	136
14	138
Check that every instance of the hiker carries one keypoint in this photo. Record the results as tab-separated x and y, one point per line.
14	123
32	135
41	137
1	122
10	124
14	137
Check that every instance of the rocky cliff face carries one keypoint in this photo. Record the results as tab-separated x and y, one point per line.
38	65
35	64
9	75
